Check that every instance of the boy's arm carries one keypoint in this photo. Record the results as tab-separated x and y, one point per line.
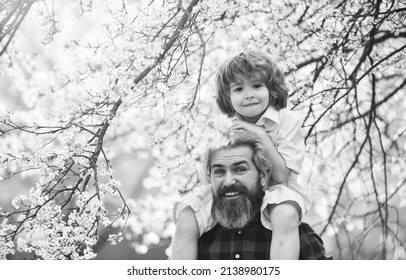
184	244
280	173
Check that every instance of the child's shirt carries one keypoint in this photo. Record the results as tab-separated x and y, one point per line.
284	128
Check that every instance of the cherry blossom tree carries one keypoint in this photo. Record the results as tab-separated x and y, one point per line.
103	79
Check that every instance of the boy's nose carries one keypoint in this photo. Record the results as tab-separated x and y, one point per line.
249	95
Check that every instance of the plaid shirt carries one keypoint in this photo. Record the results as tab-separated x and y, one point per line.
253	243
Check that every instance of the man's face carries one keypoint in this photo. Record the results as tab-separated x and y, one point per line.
236	186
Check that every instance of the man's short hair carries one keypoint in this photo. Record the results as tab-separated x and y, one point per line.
261	158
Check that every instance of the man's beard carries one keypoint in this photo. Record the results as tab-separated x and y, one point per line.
236	213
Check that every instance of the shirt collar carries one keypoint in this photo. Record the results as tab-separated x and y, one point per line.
270	114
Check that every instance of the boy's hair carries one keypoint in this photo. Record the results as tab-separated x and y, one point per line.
251	64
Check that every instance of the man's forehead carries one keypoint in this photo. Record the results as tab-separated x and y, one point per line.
232	156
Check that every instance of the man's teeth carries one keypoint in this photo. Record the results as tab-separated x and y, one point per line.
231	193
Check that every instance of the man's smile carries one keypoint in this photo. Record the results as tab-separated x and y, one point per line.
231	194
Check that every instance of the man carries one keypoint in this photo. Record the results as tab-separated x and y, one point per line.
238	172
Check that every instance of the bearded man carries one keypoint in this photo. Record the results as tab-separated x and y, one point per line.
238	173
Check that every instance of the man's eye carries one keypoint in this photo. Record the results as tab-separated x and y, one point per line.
240	170
218	171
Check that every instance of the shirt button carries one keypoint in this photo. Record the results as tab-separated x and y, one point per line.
237	256
239	232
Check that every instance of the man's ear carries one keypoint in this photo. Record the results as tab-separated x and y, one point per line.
265	178
208	176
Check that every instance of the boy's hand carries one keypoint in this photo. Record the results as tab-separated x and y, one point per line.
249	127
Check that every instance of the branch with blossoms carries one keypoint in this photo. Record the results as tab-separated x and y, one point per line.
67	204
12	14
65	214
364	82
344	62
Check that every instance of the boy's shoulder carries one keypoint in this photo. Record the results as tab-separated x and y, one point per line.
287	115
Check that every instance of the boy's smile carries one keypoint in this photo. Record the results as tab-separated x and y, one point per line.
249	97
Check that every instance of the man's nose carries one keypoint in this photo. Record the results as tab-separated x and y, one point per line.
229	180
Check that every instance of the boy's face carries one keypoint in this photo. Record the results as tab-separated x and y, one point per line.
249	97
